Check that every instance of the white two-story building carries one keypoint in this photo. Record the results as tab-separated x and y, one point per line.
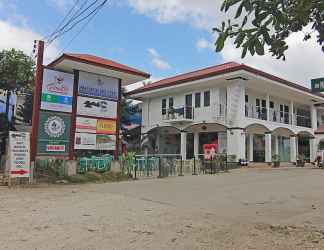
247	112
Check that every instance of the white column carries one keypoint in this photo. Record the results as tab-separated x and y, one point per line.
251	147
183	145
291	109
268	107
314	117
313	149
293	149
276	145
268	154
196	144
157	144
236	143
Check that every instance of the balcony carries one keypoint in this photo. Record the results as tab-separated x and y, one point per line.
218	112
277	116
178	114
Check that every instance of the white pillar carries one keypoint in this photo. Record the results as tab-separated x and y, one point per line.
293	149
183	146
251	147
276	145
313	149
196	144
157	144
292	117
314	117
236	143
268	154
268	107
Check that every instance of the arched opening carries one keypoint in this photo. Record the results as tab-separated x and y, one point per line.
280	143
205	133
255	142
304	145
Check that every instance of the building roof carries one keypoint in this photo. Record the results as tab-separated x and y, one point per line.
99	61
320	129
214	71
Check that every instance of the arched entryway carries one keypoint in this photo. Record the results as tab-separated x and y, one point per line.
281	143
304	145
256	142
205	133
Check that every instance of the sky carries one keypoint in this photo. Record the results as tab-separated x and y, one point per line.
163	38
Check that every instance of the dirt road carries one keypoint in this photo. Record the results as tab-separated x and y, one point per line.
244	209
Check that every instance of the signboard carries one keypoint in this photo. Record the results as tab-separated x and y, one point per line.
93	85
318	85
96	107
95	126
106	127
94	142
19	145
57	91
210	151
54	133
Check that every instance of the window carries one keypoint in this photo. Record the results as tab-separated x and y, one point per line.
207	98
197	100
171	102
271	105
164	104
246	98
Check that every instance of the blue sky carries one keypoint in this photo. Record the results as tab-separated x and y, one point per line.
163	38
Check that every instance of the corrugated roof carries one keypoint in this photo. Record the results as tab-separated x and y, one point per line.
99	61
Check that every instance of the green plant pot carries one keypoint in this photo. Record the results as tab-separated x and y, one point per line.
276	164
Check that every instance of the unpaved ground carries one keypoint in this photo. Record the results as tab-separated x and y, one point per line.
244	209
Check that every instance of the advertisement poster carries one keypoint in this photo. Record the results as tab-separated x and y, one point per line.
86	125
57	91
94	142
93	85
19	145
96	107
54	133
210	151
106	127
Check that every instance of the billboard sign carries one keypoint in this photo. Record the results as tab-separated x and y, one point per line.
96	107
54	133
94	142
94	85
210	151
106	126
19	145
57	91
86	125
317	85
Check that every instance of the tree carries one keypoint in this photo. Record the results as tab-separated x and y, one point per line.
268	23
25	111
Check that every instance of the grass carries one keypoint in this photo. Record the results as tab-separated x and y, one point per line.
98	177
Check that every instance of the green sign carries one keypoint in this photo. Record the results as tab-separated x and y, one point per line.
318	85
53	133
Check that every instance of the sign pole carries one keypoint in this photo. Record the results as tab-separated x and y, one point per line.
118	120
73	117
37	96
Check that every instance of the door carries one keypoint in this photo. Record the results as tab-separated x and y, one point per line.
188	107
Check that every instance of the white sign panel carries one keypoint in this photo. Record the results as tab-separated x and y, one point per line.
19	145
94	142
57	91
93	85
85	141
96	107
86	125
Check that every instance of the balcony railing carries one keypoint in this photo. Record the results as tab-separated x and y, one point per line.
277	116
219	111
182	113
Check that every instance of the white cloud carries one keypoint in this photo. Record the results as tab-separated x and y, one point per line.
22	37
304	59
142	83
62	5
203	43
157	61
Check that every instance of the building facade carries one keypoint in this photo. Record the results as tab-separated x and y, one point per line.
248	113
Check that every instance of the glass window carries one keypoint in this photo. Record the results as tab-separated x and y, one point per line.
246	98
271	104
207	98
197	100
164	106
171	102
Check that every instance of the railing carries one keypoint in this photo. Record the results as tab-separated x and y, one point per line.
219	111
255	112
181	113
279	116
303	121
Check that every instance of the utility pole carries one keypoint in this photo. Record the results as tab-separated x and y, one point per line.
37	98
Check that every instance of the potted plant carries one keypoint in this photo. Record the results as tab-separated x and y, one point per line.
301	161
276	160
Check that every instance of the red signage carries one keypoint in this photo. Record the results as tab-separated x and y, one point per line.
210	151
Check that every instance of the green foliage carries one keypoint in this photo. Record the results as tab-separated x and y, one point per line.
16	70
267	23
276	158
4	123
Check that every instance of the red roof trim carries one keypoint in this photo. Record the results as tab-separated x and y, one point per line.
100	62
214	71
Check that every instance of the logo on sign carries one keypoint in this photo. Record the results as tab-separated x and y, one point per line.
58	86
54	126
